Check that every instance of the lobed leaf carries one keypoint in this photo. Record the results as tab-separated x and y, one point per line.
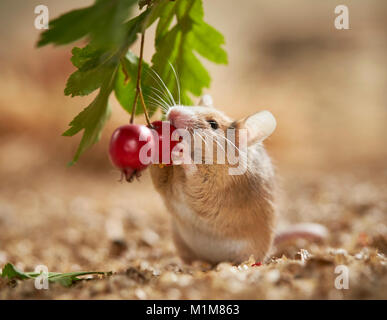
94	68
92	119
102	22
179	45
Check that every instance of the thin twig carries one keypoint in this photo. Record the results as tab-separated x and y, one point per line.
138	86
134	107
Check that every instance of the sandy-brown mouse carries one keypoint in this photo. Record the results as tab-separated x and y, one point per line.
218	216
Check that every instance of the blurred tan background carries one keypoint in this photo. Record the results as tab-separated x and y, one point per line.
326	87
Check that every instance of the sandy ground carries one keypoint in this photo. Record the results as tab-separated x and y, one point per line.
69	221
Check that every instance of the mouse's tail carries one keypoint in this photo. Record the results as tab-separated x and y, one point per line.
309	231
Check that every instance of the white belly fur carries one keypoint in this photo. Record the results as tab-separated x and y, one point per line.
203	241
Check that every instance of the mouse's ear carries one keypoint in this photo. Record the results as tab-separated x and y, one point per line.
259	126
206	101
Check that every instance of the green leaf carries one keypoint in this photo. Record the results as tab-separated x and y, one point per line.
94	68
179	45
98	68
11	272
125	85
143	3
66	279
92	119
165	10
208	42
103	23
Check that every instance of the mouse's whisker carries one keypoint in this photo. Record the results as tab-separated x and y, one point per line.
228	141
158	105
177	81
220	145
155	105
161	99
163	83
201	137
157	102
161	88
216	140
162	95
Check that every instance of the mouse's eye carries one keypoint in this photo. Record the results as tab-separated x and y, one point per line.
214	125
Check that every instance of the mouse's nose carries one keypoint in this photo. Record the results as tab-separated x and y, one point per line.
173	114
179	118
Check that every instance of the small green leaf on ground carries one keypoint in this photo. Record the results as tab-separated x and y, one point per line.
65	279
11	272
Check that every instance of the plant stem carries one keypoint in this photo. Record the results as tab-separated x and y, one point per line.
134	107
138	86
